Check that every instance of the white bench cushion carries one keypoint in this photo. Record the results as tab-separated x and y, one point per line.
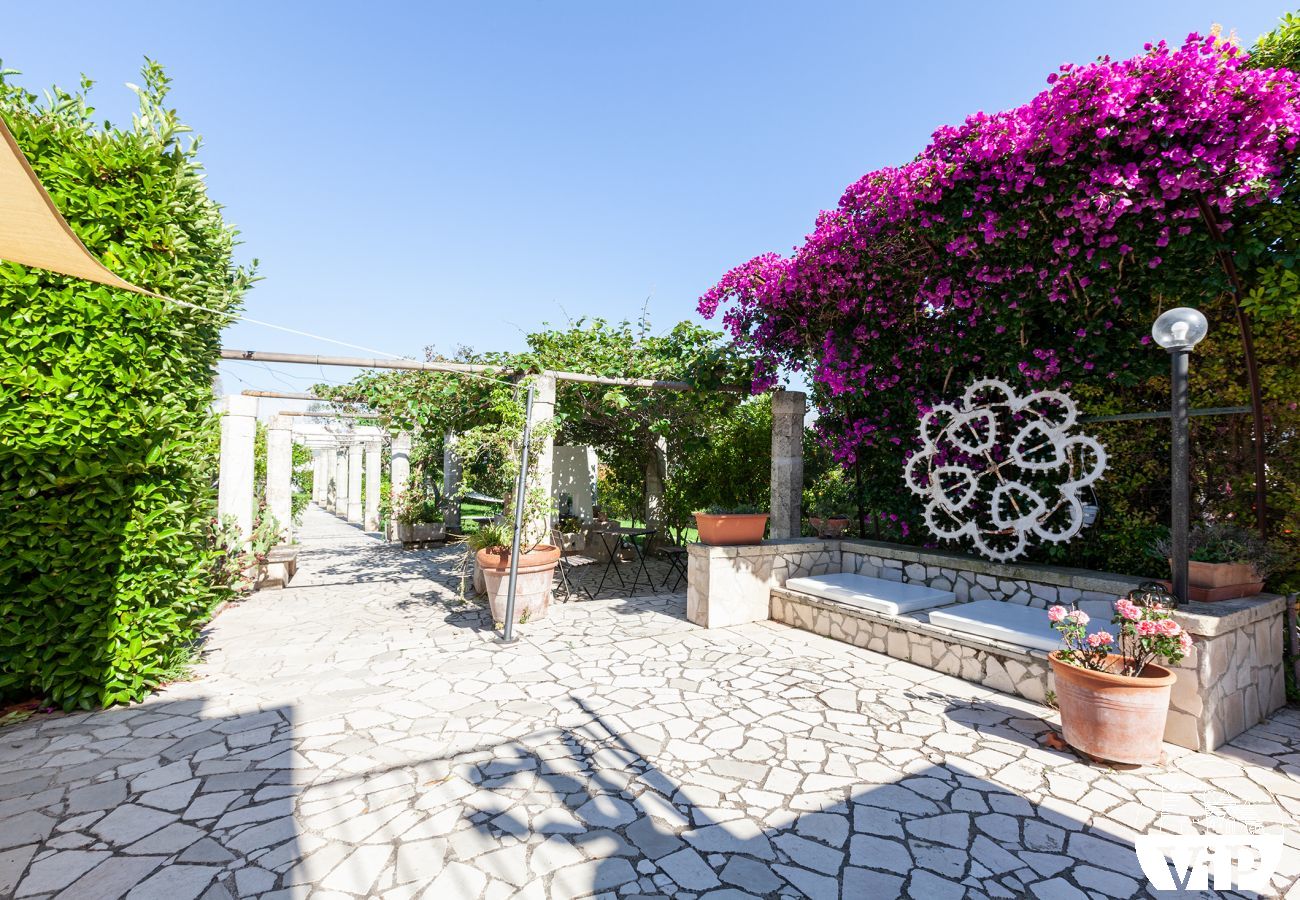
876	594
1026	626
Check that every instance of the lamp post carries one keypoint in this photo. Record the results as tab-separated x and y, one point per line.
1178	331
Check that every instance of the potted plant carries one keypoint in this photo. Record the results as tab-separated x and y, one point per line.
490	535
1225	561
827	521
536	569
724	527
418	517
491	452
827	499
1112	695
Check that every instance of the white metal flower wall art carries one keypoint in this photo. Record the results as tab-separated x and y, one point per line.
1002	471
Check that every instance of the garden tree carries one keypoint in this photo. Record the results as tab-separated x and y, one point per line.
729	466
644	434
107	441
430	405
639	433
1037	245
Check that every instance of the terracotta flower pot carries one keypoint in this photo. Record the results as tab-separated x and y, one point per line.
731	528
835	526
1210	582
1113	717
533	580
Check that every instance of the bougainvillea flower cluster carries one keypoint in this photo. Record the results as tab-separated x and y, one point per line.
1031	244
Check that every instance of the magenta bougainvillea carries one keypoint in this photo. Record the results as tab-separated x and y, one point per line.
1034	244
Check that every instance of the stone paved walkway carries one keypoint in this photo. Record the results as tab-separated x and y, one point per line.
362	735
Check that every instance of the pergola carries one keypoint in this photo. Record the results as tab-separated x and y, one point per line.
354	453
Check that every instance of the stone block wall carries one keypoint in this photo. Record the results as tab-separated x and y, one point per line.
979	579
733	585
1230	681
998	666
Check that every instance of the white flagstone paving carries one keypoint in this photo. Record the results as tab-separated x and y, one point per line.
362	734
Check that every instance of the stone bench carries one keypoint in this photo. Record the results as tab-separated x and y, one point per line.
1230	681
998	664
278	570
1019	626
876	594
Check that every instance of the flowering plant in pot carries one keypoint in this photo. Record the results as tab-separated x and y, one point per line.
1225	561
720	526
491	452
418	516
1113	695
827	501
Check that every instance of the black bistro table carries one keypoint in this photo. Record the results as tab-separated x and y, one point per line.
616	539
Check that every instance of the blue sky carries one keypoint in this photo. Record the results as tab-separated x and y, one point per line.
415	174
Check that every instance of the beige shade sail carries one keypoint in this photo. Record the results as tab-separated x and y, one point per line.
33	231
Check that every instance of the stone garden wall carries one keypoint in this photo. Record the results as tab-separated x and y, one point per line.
1230	681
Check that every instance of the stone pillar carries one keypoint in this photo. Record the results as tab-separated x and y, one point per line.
373	449
341	480
399	467
279	473
321	473
543	416
354	512
451	479
575	476
316	455
788	410
235	478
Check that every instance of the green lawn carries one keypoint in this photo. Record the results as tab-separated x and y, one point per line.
468	510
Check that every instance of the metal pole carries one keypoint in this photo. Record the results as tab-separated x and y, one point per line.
1178	472
521	485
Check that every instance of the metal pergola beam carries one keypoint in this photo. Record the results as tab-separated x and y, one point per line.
287	395
1164	414
412	365
329	414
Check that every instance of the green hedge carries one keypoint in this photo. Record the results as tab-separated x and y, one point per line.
107	441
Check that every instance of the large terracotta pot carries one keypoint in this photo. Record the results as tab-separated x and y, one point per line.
1113	717
832	527
731	528
1208	582
532	585
1211	582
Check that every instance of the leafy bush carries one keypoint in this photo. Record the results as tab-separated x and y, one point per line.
416	506
1221	543
107	442
490	535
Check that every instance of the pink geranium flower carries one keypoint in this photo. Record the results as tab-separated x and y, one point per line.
1056	614
1128	609
1100	639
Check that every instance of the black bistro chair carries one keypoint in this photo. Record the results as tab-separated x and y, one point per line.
676	557
570	560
